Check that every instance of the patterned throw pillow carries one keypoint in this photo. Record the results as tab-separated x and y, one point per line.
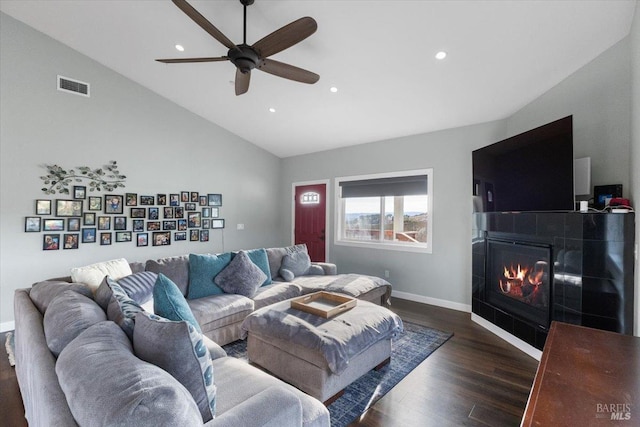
139	286
119	306
241	276
168	302
179	349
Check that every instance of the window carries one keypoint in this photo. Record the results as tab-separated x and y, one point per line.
387	211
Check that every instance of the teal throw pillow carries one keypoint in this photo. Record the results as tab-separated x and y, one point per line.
203	269
168	302
259	257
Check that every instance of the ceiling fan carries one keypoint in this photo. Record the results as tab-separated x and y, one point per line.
248	57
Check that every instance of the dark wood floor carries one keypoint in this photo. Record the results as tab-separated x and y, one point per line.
474	379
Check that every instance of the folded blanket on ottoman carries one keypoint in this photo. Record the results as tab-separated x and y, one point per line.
338	339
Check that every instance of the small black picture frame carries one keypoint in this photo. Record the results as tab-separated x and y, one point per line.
50	242
184	196
204	200
68	208
79	192
73	224
204	235
161	238
217	223
147	200
43	207
153	225
194	235
138	213
194	220
53	224
88	235
71	241
195	196
169	225
105	239
168	212
215	199
119	223
95	203
138	225
89	218
206	223
123	236
104	223
154	214
162	199
32	224
182	225
174	199
179	213
142	239
180	236
131	199
190	206
113	204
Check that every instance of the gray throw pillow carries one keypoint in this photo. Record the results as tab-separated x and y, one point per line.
179	349
42	293
295	264
175	268
241	276
107	385
139	286
120	307
68	315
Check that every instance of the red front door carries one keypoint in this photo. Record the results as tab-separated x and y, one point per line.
310	219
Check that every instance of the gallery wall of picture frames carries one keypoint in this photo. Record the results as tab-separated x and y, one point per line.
142	219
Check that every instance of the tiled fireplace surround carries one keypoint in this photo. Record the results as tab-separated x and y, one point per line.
591	272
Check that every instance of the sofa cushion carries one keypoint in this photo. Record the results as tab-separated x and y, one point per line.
120	308
106	384
217	311
68	315
241	276
43	293
93	274
180	350
202	271
139	286
175	268
259	258
298	264
169	302
276	292
275	255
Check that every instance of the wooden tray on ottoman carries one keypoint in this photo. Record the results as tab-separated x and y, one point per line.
324	304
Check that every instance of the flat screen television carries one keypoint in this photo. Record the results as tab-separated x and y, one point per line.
532	171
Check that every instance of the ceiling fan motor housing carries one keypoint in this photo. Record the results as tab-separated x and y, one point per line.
245	58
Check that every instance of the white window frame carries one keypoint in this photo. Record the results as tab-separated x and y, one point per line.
387	245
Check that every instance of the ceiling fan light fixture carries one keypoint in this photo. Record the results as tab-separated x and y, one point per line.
441	55
180	48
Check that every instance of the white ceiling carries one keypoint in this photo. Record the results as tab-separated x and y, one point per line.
380	55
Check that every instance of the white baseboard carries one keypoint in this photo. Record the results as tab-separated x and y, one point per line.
431	301
7	326
514	341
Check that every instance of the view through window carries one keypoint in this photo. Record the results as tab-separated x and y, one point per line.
385	210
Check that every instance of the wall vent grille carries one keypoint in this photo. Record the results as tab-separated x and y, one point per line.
76	87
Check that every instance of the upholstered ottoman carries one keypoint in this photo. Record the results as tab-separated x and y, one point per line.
320	356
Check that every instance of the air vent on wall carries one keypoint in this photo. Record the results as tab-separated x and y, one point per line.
76	87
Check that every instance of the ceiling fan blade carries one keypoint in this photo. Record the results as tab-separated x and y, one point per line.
286	36
204	23
182	60
287	71
242	81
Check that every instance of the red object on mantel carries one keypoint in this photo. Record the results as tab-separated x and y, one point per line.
619	201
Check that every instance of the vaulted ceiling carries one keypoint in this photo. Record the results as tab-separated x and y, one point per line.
380	55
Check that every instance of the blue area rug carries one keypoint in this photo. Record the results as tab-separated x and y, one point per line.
409	349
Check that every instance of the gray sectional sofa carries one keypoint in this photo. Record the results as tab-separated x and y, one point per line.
75	366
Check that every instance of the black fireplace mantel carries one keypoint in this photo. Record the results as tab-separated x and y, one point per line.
593	261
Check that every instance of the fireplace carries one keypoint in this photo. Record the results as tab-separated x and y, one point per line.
532	268
519	279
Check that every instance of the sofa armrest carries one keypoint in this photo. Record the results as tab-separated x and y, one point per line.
272	407
329	268
214	349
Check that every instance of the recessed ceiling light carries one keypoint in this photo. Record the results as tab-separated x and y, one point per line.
441	55
333	89
272	110
180	47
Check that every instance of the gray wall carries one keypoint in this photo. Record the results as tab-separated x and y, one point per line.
161	147
597	95
635	142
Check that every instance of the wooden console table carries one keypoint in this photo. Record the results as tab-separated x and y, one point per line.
586	377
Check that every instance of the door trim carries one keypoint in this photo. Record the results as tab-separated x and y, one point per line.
327	220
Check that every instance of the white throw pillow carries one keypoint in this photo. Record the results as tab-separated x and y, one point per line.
93	274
